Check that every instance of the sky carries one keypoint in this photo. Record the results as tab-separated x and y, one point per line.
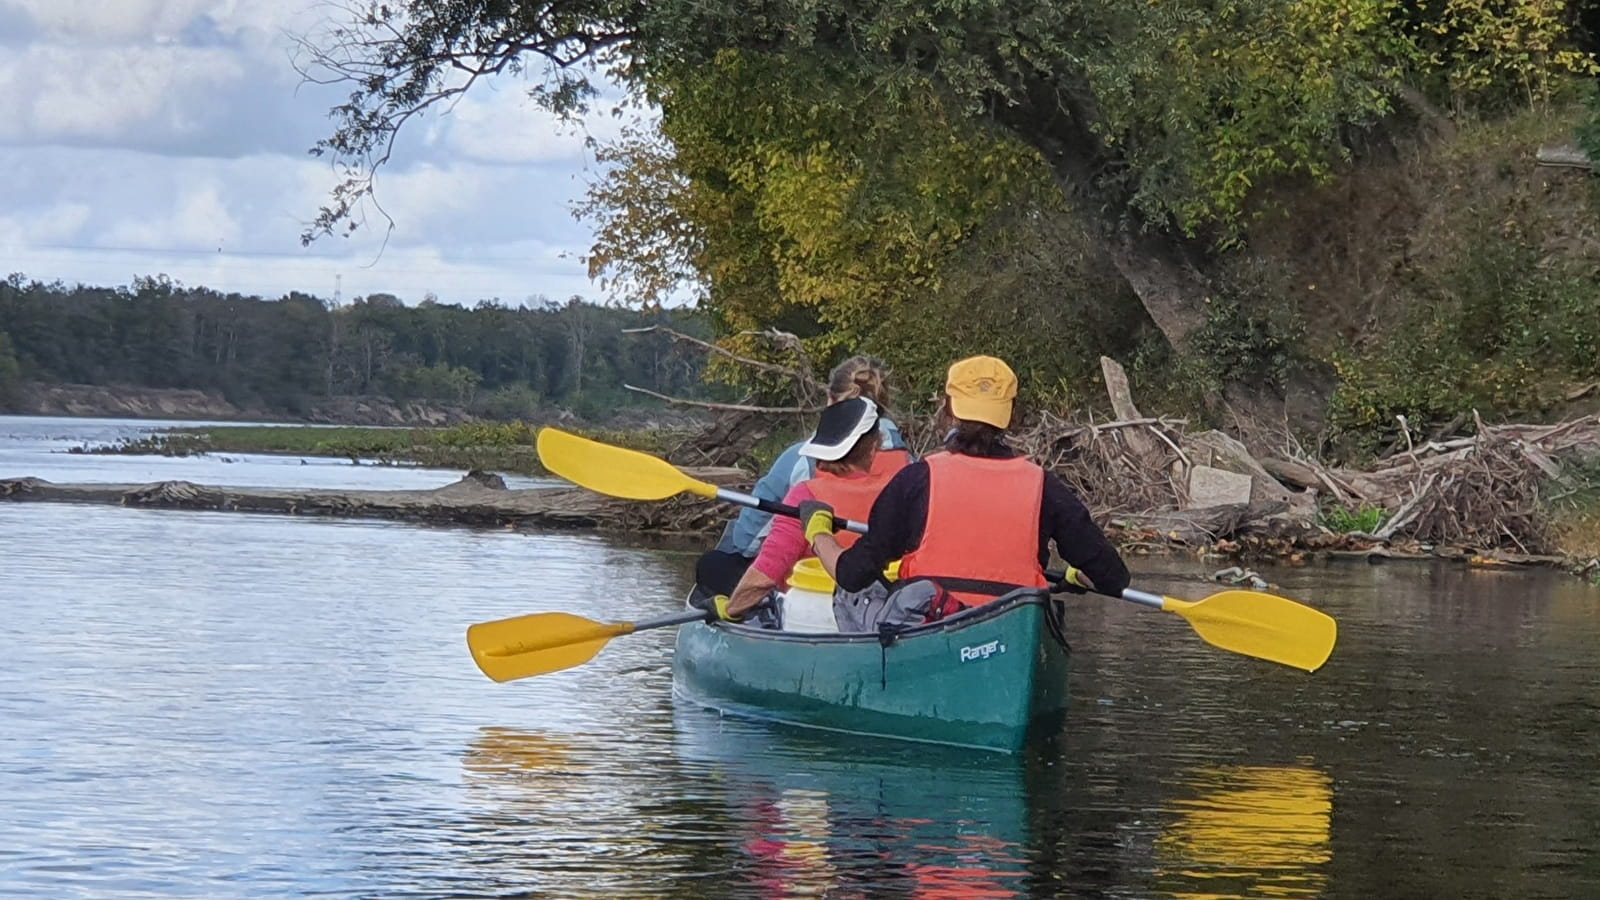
170	137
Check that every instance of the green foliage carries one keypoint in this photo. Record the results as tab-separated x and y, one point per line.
1365	519
1588	131
1572	504
503	447
1497	54
1250	334
1199	103
514	401
454	384
822	165
886	226
1498	330
288	354
1025	287
10	373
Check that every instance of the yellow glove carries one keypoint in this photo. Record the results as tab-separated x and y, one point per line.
816	518
719	606
1077	579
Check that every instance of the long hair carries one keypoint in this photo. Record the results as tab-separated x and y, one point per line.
860	376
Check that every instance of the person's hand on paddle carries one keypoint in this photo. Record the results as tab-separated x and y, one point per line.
1074	582
816	518
719	609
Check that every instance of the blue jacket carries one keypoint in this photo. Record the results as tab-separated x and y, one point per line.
746	532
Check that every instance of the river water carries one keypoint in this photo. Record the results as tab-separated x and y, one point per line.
210	705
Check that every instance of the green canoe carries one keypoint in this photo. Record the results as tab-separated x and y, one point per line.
982	679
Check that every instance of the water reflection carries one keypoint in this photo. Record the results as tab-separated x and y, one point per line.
1248	831
501	752
837	816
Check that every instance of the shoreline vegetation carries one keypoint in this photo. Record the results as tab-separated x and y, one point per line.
1509	495
505	447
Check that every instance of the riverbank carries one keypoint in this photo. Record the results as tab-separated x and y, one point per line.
477	500
1511	494
1243	532
496	447
37	398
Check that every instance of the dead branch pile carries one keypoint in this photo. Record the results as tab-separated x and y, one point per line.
1486	492
1148	478
1131	466
1482	491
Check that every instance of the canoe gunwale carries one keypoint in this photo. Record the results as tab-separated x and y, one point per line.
964	619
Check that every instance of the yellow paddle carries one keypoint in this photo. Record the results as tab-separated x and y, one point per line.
632	475
541	643
1254	624
1246	622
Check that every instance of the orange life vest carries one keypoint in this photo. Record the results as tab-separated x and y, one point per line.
981	538
852	496
890	461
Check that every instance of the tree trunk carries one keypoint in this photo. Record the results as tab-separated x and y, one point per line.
1162	268
1167	284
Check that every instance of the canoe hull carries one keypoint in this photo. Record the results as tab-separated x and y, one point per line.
983	679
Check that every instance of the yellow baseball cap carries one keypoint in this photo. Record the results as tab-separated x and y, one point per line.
981	389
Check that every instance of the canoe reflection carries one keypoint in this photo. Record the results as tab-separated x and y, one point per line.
1247	831
839	816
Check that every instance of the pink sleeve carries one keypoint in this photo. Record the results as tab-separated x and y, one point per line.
786	545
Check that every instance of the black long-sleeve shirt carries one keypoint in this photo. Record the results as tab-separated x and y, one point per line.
900	516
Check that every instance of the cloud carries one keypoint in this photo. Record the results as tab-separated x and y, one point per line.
58	222
161	20
463	231
198	218
501	124
168	136
54	94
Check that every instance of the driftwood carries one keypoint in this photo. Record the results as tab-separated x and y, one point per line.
1482	491
725	407
1478	495
1121	395
1565	156
1200	527
467	502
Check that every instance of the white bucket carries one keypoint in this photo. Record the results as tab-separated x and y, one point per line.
808	603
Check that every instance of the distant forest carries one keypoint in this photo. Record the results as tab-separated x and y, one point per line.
286	354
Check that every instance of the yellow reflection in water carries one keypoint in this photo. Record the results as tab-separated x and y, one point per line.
529	774
1248	831
506	751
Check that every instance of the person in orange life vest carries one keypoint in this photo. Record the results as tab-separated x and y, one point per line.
848	479
720	568
977	519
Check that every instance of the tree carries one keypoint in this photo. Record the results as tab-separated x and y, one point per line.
287	354
1159	121
832	227
10	373
1156	119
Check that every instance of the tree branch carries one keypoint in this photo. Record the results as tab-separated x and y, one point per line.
727	407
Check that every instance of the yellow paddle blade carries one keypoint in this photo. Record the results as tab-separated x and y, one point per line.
539	643
614	471
1261	625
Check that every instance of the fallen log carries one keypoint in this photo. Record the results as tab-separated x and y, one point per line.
1292	473
466	502
1201	526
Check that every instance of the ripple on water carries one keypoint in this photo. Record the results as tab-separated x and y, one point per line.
212	705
